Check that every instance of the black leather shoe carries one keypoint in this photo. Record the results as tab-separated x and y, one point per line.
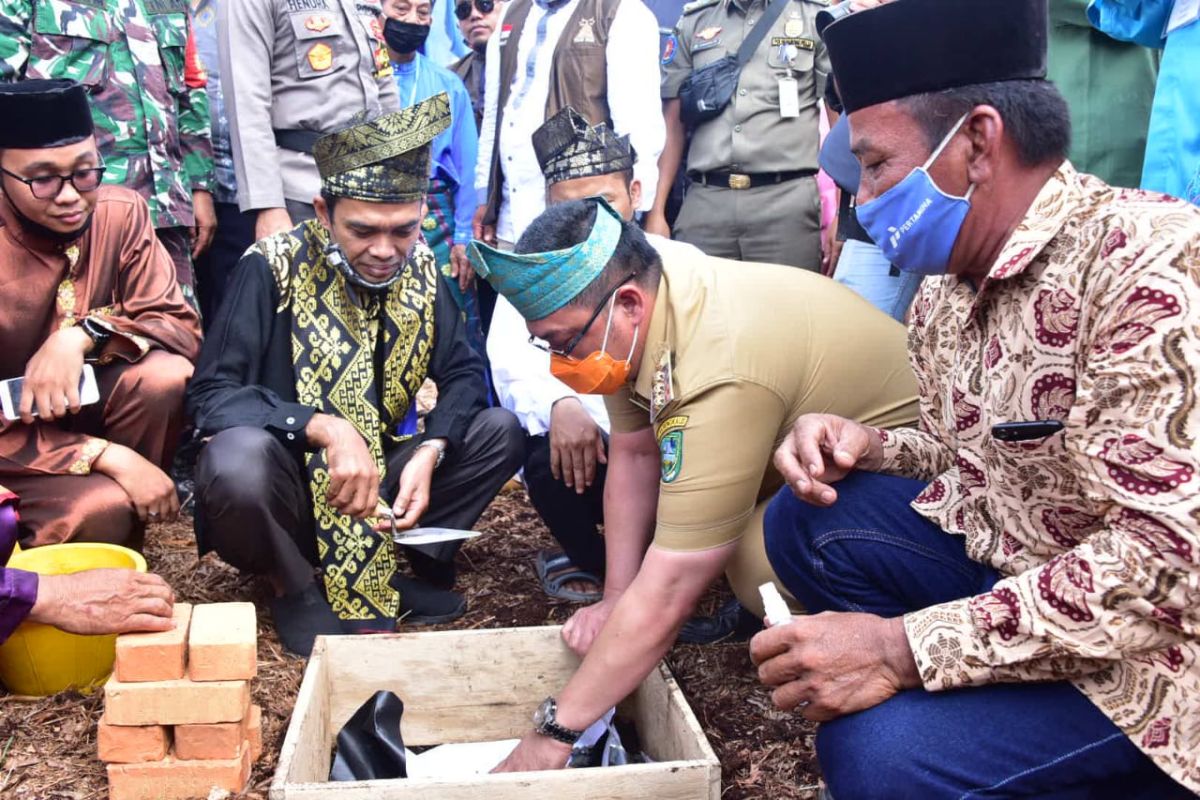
730	623
422	604
438	574
301	617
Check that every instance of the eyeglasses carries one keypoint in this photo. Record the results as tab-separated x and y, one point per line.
463	9
48	187
571	345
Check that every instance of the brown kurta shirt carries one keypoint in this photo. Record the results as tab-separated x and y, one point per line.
117	274
1090	316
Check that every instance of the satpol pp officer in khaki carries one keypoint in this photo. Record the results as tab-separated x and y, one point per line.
752	170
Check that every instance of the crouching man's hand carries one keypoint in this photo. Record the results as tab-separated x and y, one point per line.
832	664
98	601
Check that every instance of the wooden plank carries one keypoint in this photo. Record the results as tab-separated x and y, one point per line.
305	756
669	729
675	781
457	686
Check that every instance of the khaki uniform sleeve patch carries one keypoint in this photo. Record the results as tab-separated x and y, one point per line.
670	445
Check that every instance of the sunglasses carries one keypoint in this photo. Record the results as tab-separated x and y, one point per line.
47	187
463	9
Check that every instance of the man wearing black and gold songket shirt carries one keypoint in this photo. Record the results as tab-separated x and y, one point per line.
307	387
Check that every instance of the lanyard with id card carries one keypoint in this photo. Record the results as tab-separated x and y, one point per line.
789	98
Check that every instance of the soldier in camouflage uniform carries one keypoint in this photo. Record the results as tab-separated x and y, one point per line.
150	109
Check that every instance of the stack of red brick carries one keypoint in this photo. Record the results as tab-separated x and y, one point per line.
177	717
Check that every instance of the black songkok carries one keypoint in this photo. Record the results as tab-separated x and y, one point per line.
567	147
909	47
37	114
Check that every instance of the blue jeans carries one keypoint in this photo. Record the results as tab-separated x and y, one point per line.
871	552
863	268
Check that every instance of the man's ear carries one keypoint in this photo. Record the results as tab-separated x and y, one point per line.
635	194
322	209
633	300
985	131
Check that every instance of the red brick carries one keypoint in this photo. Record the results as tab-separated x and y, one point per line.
182	702
223	642
219	740
130	744
154	656
173	777
255	731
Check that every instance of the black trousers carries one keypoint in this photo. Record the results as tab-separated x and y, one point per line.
574	519
253	504
235	233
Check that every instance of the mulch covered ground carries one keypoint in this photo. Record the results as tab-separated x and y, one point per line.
48	747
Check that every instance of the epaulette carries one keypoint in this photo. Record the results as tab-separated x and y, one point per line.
696	5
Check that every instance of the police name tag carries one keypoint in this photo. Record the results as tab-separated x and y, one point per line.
789	98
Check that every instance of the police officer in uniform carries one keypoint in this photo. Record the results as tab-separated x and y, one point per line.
753	191
296	69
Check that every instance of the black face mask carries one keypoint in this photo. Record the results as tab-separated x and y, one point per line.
49	234
404	37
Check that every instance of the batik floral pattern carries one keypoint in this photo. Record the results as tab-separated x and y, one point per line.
1090	316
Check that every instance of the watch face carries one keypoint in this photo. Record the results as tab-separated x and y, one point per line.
540	716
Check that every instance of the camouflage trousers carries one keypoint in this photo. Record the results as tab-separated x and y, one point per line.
178	243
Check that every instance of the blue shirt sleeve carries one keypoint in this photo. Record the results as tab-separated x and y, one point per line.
1141	21
464	150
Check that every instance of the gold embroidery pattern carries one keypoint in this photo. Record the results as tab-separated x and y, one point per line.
91	450
333	345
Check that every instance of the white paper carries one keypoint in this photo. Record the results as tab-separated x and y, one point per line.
458	760
1183	13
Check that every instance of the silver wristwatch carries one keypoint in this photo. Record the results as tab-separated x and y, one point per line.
436	444
545	724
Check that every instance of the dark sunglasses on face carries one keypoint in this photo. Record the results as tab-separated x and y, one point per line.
48	187
463	9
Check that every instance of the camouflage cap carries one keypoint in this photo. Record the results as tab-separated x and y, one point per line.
41	114
385	160
567	147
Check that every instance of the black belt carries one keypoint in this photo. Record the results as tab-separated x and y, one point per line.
301	141
740	180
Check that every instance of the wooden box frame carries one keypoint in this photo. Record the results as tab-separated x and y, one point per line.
481	685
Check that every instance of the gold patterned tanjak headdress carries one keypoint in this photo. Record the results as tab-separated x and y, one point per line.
387	159
567	147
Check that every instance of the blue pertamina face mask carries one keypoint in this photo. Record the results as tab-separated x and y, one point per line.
915	223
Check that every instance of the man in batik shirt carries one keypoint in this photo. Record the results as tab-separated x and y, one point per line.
137	60
1034	542
307	380
82	276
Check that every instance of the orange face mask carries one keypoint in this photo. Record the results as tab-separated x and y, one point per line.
598	373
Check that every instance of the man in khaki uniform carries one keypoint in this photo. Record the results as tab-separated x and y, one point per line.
704	382
293	70
753	193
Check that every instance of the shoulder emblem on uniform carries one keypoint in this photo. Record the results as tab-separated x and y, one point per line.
696	5
669	48
670	446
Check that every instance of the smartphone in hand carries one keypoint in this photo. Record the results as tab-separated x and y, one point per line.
10	392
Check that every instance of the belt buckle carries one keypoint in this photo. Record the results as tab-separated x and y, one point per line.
738	181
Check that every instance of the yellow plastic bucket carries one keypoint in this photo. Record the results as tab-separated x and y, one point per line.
41	660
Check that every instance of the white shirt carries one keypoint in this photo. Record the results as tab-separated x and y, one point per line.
521	372
633	101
